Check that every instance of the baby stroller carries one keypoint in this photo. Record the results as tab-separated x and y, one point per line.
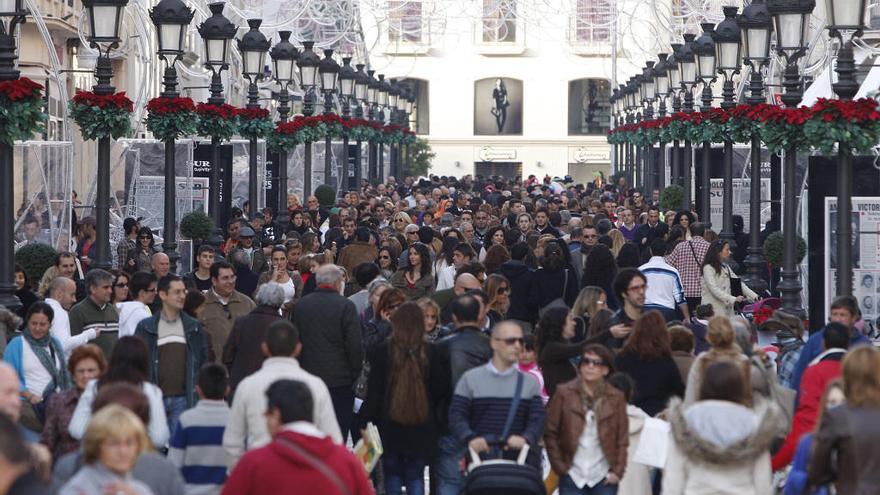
503	477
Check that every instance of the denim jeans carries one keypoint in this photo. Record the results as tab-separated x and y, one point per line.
446	465
567	487
402	470
174	407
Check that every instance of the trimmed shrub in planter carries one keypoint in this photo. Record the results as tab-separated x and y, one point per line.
35	259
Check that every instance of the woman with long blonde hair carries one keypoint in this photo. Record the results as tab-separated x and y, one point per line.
498	289
406	383
589	301
400	221
617	241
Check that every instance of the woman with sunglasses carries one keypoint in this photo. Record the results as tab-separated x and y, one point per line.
717	284
587	428
497	287
401	220
141	258
387	262
416	280
121	281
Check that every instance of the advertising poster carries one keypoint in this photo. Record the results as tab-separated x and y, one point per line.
149	198
741	204
498	107
865	253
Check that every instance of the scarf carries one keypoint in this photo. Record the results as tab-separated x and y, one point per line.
46	349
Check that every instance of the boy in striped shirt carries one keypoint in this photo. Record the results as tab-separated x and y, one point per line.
196	446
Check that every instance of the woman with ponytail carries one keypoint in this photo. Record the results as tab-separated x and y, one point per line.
406	383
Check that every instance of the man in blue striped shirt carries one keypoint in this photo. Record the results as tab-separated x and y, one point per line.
196	446
665	290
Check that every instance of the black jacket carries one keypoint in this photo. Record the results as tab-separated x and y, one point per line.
465	349
242	354
551	285
418	440
521	278
330	332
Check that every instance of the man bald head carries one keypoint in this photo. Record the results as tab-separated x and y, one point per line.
10	402
161	264
63	290
465	282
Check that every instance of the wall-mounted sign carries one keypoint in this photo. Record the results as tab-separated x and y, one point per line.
583	154
489	154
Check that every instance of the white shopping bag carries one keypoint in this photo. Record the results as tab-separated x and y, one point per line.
653	443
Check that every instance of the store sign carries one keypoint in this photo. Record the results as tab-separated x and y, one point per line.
489	154
582	154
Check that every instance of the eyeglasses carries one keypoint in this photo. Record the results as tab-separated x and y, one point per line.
384	257
120	285
503	290
585	361
398	220
511	340
144	237
151	290
641	287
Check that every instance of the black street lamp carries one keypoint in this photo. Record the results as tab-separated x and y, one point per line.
171	17
16	15
845	22
361	83
216	32
661	87
308	62
347	80
402	121
704	52
687	69
382	94
675	91
328	70
253	47
791	18
372	115
755	24
284	56
728	46
410	108
393	98
104	21
648	92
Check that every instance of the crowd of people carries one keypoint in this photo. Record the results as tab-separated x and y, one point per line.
480	315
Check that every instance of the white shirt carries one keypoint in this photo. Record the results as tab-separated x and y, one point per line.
246	428
304	428
130	314
35	375
289	290
589	466
446	278
157	429
60	329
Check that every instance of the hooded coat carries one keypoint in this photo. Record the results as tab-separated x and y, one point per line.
720	448
637	477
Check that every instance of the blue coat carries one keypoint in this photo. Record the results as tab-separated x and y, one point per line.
196	350
796	484
813	348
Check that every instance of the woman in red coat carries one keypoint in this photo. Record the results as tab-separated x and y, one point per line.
301	459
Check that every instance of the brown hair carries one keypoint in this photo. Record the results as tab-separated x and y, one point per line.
126	395
721	335
495	257
681	339
390	297
113	421
491	285
723	380
649	339
87	351
861	377
603	352
599	322
408	404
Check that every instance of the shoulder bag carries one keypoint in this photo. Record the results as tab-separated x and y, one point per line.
319	465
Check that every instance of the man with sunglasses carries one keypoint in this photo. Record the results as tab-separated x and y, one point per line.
484	395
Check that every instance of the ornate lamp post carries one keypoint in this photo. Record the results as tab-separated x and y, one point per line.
728	46
393	97
104	20
648	93
328	70
372	101
704	51
791	18
674	90
845	22
661	87
216	32
382	94
284	56
171	17
361	83
687	69
15	12
253	47
408	106
308	78
347	78
754	22
631	106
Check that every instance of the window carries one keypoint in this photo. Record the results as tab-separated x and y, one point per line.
420	117
405	21
592	22
499	21
589	111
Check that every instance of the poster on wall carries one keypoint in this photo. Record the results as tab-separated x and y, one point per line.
741	201
865	253
498	107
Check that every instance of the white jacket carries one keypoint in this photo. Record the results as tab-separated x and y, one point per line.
157	429
246	428
716	290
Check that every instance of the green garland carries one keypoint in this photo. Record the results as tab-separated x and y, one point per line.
101	116
254	123
217	121
21	110
171	118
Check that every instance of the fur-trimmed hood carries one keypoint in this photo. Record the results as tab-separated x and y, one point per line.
719	432
10	319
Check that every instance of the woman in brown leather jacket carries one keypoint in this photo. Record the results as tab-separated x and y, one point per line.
587	430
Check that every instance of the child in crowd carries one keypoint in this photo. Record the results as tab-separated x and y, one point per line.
528	364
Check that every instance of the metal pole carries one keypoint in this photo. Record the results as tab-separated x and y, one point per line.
687	163
328	144
283	110
102	257
846	88
308	108
253	177
727	203
705	179
169	229
756	264
790	285
216	98
8	299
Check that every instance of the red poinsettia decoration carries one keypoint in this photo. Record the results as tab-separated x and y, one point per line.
20	89
252	113
211	111
163	106
116	100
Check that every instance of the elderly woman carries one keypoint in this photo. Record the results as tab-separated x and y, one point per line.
243	353
38	358
113	442
86	363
